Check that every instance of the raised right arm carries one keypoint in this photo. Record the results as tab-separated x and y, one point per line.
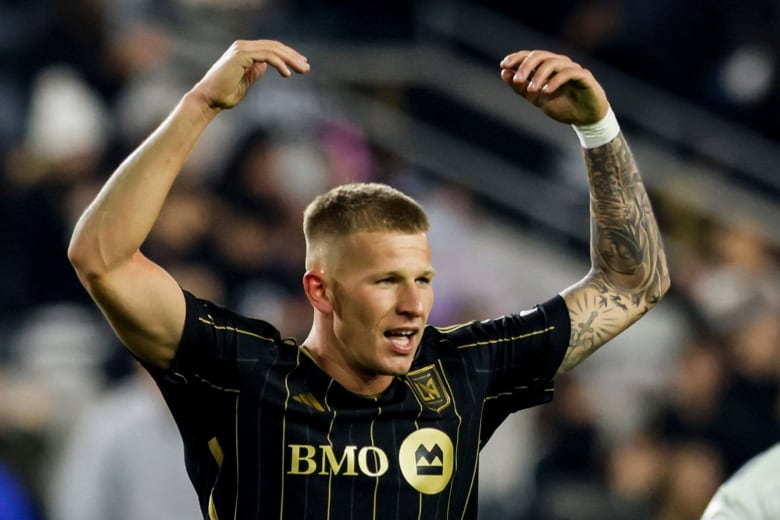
141	301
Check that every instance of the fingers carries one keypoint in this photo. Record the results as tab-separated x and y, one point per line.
283	58
540	71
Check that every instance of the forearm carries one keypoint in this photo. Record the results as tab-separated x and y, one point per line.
628	274
119	219
626	246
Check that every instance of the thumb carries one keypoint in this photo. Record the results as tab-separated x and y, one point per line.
254	72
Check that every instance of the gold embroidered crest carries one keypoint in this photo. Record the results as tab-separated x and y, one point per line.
428	384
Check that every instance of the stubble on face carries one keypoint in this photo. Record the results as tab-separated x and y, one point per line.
379	288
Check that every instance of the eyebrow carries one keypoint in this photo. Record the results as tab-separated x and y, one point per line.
430	273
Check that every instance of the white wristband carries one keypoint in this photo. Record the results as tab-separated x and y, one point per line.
599	133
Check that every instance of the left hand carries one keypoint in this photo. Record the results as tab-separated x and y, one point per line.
561	88
242	65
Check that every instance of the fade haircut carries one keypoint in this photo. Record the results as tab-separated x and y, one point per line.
351	208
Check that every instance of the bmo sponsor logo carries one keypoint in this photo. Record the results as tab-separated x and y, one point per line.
425	460
324	460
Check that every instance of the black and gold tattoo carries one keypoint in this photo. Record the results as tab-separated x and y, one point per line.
629	273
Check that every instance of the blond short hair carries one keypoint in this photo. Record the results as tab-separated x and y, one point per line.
351	208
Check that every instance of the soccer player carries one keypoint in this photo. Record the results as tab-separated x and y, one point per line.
375	414
752	492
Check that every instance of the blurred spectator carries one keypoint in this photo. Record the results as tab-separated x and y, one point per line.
743	273
689	407
124	461
568	476
64	146
54	370
693	471
748	420
635	469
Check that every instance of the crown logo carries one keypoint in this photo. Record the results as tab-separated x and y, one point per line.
426	458
429	462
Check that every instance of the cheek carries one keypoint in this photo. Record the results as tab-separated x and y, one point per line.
361	310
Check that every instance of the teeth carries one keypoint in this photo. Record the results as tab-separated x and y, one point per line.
401	341
401	338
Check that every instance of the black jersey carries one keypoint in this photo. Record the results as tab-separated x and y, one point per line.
268	434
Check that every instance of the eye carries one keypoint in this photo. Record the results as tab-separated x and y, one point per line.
424	280
386	281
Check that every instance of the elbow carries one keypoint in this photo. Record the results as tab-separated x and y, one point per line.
664	278
658	287
81	258
86	271
643	288
77	255
86	259
666	284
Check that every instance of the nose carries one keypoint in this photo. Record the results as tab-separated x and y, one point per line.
411	300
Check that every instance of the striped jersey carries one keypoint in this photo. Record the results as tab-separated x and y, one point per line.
268	434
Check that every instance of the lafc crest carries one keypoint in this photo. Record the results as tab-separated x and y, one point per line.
429	387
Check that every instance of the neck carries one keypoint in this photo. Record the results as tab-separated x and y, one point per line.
329	360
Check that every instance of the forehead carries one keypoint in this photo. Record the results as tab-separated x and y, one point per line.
382	250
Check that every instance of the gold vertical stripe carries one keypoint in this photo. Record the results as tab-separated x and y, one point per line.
330	441
284	430
457	435
416	426
235	427
474	473
371	434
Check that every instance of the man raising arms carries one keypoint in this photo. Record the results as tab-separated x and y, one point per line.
375	414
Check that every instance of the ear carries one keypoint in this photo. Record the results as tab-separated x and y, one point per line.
314	286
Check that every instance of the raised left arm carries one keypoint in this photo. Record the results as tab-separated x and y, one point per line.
628	274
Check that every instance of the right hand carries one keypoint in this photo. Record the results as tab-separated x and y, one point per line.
243	63
562	89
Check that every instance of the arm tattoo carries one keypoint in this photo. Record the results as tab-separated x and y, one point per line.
629	273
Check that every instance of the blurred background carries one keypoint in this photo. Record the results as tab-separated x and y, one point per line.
406	93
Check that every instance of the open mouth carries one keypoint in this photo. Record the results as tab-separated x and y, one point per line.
401	339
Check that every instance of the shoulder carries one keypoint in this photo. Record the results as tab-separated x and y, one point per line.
218	344
548	319
219	319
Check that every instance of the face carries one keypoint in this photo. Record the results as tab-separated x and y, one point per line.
379	284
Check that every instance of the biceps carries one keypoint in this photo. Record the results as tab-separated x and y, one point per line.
145	307
598	313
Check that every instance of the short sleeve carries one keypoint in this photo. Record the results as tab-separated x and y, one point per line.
516	350
214	343
513	359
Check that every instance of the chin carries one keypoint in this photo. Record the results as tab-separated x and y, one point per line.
400	369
